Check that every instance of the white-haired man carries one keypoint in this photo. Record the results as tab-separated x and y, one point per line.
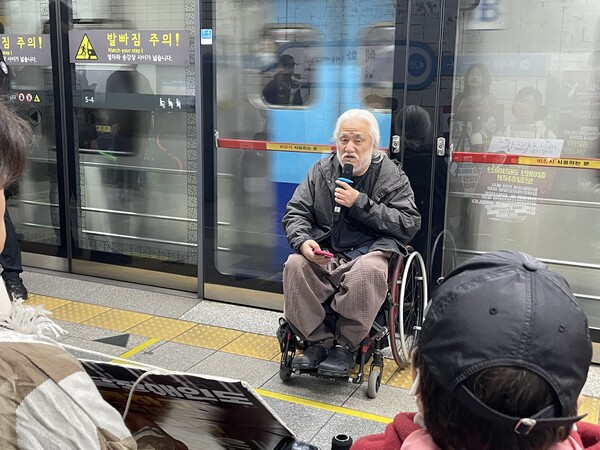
377	216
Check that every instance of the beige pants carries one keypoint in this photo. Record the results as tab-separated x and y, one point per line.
357	289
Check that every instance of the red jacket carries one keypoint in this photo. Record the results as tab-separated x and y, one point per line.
587	435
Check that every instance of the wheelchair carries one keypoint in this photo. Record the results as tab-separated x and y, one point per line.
396	325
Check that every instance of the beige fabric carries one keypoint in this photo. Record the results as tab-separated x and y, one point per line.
5	304
359	286
47	401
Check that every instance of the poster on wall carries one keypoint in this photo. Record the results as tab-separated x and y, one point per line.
510	192
580	113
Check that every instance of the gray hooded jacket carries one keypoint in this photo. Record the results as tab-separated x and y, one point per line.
391	212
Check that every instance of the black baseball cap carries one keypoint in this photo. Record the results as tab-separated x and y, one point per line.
287	60
507	309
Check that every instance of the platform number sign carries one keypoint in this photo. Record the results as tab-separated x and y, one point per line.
486	16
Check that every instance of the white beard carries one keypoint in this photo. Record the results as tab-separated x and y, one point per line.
363	166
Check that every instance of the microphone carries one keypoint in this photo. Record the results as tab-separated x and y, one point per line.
346	177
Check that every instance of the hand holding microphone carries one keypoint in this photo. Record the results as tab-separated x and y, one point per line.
344	194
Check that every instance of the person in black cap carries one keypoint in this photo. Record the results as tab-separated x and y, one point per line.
500	363
10	258
284	88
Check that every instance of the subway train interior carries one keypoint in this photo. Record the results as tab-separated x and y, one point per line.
169	137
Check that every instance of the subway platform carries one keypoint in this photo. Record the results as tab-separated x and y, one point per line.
176	331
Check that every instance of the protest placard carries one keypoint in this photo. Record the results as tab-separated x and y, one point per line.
189	411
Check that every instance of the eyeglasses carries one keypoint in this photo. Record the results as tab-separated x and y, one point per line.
526	101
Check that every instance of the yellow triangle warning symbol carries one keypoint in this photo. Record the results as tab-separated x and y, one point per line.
86	51
36	99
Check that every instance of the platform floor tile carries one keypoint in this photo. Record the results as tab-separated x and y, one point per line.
591	408
233	342
118	320
161	328
207	336
48	303
78	312
401	378
254	345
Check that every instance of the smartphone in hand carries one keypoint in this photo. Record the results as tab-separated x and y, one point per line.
323	252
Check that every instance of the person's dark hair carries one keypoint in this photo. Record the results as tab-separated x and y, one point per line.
510	390
528	90
486	82
417	126
15	139
286	60
537	98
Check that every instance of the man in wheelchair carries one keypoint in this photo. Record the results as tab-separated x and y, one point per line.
359	205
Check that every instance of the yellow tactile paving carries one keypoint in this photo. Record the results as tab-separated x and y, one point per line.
78	312
590	407
254	345
161	328
215	338
389	369
207	336
118	320
48	303
401	379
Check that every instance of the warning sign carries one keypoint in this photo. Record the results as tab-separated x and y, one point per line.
26	49
571	163
86	50
308	148
169	47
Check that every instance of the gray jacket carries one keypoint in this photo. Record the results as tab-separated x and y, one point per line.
391	211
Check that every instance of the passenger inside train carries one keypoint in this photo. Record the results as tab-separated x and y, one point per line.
377	215
512	378
284	88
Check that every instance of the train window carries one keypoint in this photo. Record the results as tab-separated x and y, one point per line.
288	76
377	63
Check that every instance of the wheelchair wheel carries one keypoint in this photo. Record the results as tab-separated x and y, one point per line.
288	350
374	381
409	298
285	365
285	375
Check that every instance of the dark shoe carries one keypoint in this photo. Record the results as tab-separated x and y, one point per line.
339	363
15	289
310	359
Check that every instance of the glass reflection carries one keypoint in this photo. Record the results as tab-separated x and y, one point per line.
136	135
538	99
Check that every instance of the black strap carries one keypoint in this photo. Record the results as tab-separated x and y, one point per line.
545	418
